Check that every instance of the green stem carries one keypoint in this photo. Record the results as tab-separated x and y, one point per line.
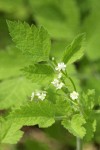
60	117
67	76
70	80
72	83
78	140
78	143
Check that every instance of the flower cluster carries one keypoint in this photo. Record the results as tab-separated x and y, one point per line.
40	95
56	82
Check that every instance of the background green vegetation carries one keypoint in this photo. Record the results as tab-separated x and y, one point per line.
63	19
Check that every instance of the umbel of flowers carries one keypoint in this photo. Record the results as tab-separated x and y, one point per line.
57	83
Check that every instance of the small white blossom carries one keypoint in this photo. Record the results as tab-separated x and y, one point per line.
61	66
57	84
41	95
59	75
38	94
60	85
32	96
74	95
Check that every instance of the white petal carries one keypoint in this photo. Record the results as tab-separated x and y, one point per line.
32	96
59	75
60	85
38	94
74	95
61	66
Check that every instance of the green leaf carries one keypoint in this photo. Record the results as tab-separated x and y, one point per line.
62	108
75	50
9	132
87	101
35	113
94	83
32	41
75	125
39	72
15	92
90	127
11	61
43	113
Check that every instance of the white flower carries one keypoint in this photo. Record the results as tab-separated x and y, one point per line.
57	84
32	96
41	95
59	75
61	66
74	95
38	94
60	85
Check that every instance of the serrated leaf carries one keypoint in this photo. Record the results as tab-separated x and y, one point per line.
75	50
32	41
39	111
90	127
39	72
75	125
43	113
87	101
9	132
35	113
32	114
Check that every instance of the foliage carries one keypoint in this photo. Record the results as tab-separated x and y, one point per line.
28	95
75	50
35	39
45	113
